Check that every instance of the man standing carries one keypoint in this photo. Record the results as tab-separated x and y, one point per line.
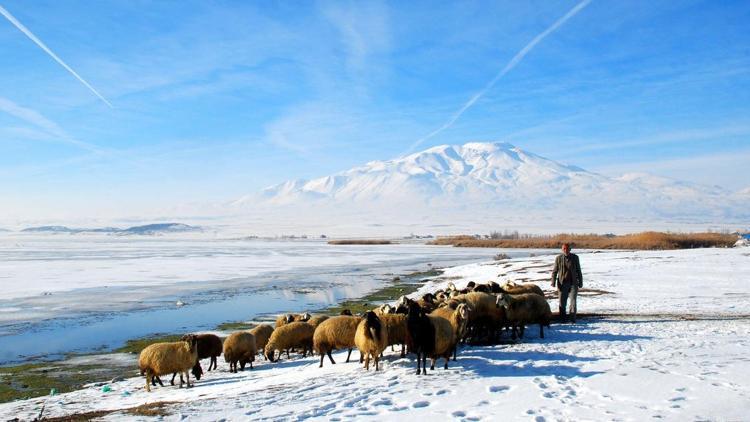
567	277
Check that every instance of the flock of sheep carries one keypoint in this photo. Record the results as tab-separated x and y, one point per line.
431	326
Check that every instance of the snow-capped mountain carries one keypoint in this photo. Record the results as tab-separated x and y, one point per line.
501	178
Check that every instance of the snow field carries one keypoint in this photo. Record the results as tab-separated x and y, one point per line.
682	354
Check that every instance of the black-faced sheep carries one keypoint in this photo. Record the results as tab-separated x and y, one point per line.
240	348
262	333
292	335
346	312
527	308
209	346
335	333
371	338
167	358
421	334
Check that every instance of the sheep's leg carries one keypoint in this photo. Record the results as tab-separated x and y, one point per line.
432	363
149	379
322	355
455	351
367	361
347	356
331	357
392	349
377	359
287	354
418	370
447	358
424	363
403	350
251	364
173	376
541	331
242	364
187	377
523	328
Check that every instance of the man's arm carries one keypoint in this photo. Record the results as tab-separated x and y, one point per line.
580	274
555	269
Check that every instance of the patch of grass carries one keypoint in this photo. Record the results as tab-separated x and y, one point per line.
366	303
639	241
398	287
37	379
235	326
136	345
151	409
359	242
421	274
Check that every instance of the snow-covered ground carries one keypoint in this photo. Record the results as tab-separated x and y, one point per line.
681	353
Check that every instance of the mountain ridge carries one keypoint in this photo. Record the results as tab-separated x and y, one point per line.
498	178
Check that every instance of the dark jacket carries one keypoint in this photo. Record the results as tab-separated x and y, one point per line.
559	272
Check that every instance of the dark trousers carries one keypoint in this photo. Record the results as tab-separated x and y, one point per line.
568	291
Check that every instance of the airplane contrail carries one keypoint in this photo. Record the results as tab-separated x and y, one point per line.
41	45
508	67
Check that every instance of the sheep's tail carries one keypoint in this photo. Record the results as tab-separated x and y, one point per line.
374	333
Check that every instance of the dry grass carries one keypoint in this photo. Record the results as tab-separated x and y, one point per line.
359	242
642	241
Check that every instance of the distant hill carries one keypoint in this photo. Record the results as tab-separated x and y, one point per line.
148	229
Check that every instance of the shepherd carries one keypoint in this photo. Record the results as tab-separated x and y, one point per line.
567	277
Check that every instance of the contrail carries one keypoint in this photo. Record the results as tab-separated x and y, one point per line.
41	45
508	67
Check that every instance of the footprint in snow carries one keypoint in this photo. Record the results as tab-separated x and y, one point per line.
420	404
498	388
458	414
441	392
382	402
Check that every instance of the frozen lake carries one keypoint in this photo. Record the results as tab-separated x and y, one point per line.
64	293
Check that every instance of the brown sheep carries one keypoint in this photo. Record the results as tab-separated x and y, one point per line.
528	308
460	325
445	333
262	333
292	335
518	289
397	330
317	319
240	348
166	358
485	317
371	338
282	320
335	333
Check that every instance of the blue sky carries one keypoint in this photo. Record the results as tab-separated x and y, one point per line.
214	100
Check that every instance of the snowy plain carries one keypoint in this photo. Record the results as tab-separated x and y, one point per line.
677	347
